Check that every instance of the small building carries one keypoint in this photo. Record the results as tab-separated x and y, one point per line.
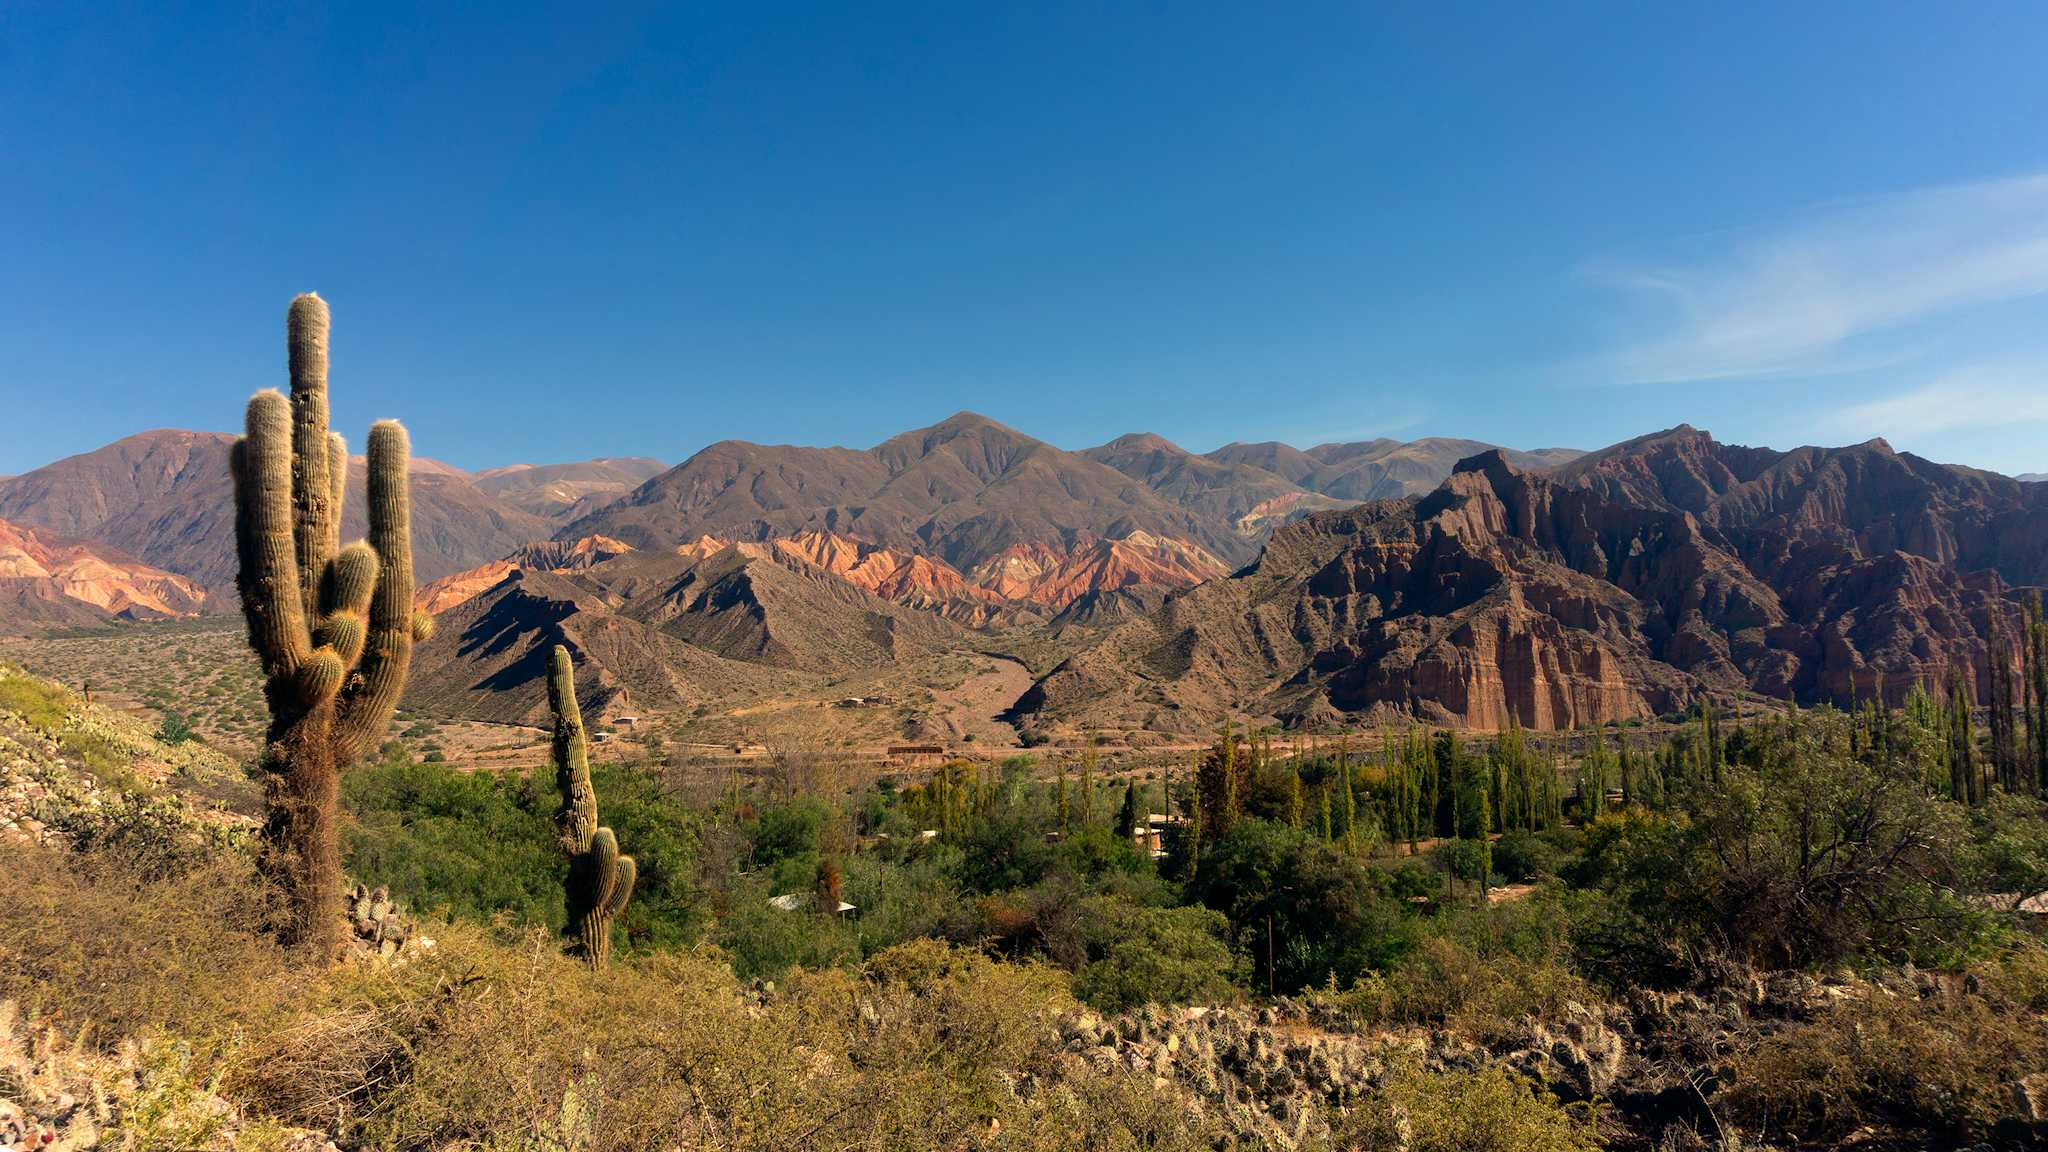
625	721
1150	837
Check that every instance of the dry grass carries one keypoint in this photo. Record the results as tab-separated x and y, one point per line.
1938	1062
88	940
495	1040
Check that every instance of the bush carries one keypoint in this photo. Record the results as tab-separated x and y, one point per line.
1800	853
43	705
1487	1109
95	939
1482	972
174	729
1519	857
1304	912
1468	860
483	844
1153	956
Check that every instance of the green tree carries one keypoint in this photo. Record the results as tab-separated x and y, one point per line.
1127	816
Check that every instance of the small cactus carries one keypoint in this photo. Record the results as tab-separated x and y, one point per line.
600	880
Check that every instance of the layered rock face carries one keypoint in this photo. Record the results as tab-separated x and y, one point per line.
1622	585
1024	582
545	556
37	566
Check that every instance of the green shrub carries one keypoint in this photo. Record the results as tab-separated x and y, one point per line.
174	729
1522	856
1153	956
104	759
1302	911
482	844
1482	971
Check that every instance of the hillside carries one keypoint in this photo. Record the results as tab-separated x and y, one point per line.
46	581
165	498
560	493
487	659
1374	469
1622	585
962	490
1235	492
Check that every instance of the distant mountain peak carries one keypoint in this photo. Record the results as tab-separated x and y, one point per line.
1143	442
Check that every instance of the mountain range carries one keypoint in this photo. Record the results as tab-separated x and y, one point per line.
1445	579
967	516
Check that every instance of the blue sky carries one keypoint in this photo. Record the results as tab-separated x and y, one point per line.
551	233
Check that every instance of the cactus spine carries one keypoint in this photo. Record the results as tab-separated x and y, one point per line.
600	880
333	626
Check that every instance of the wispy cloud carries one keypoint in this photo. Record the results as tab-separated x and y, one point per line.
1840	289
1979	396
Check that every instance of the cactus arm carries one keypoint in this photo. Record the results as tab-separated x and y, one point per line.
603	869
314	515
269	576
622	887
373	692
337	476
345	601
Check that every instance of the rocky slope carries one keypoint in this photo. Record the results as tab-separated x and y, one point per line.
1622	585
661	631
47	581
1023	583
487	659
438	596
1249	498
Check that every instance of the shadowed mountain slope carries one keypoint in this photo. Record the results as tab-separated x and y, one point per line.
487	659
663	631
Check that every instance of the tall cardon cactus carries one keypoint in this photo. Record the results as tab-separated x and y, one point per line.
334	626
600	880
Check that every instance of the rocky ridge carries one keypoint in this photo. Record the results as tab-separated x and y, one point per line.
1023	582
1622	585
